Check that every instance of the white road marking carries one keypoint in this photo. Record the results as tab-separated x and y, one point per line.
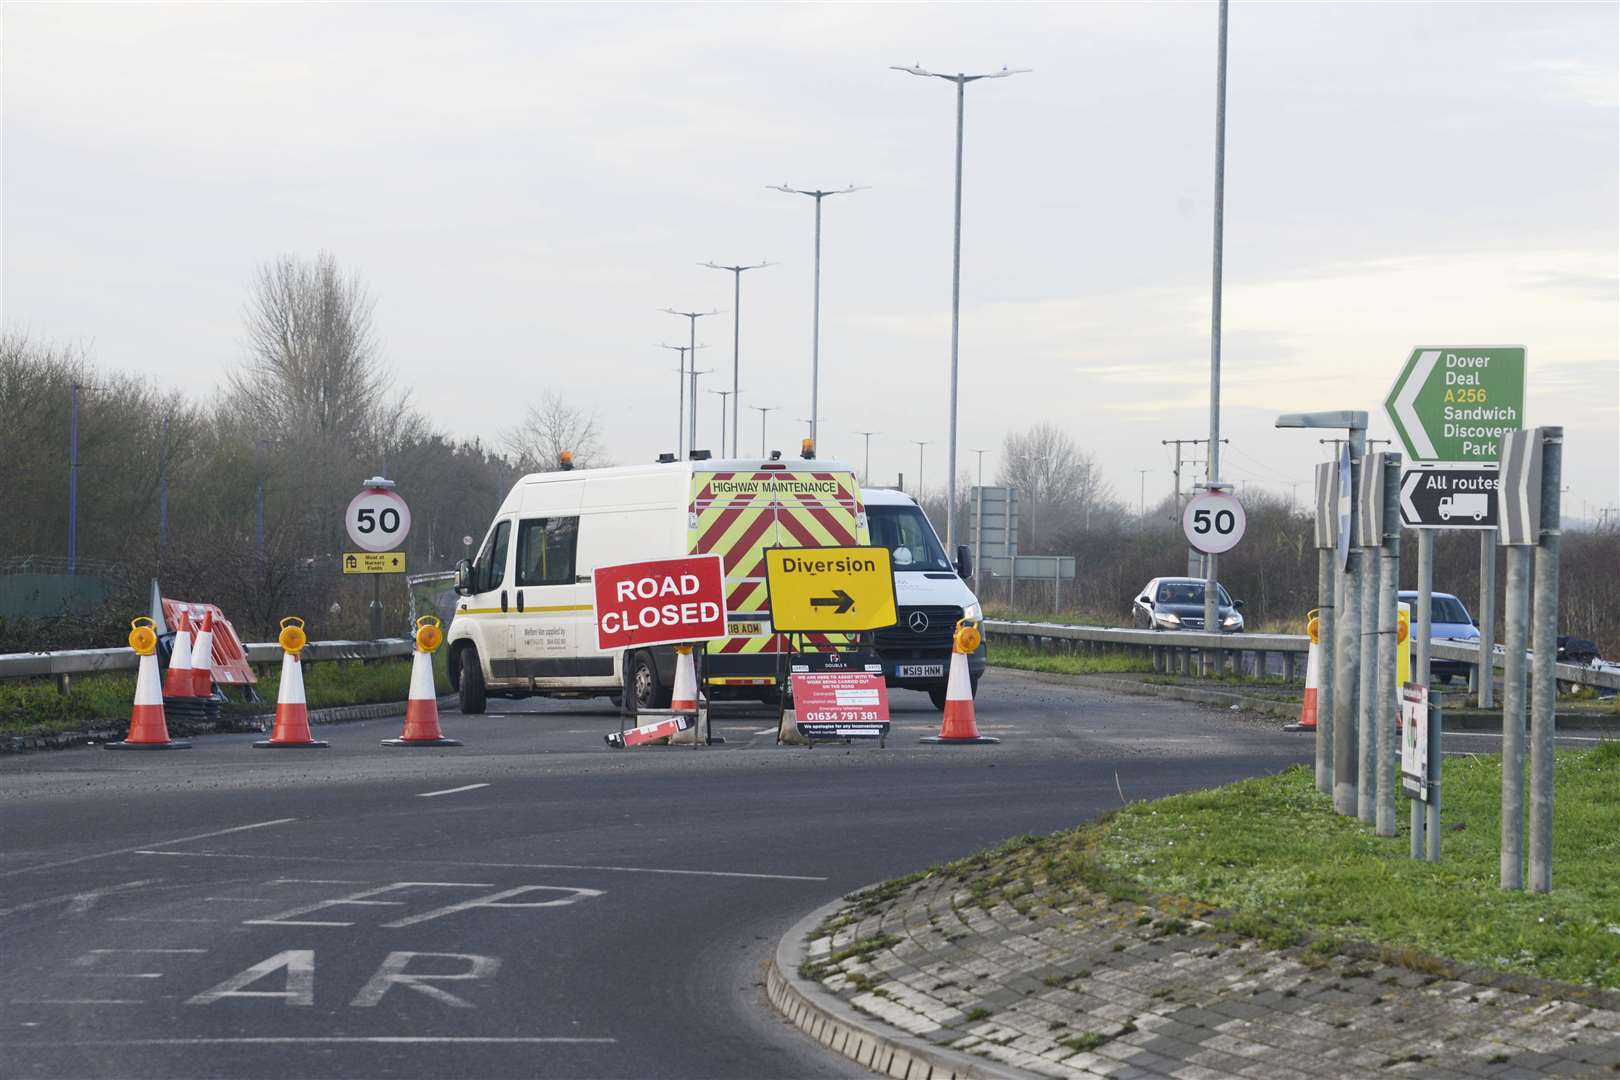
300	966
311	881
75	1001
149	950
766	731
119	975
142	848
78	902
494	900
154	918
362	898
492	865
282	1040
393	972
450	791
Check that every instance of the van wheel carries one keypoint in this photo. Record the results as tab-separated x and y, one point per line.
471	691
644	679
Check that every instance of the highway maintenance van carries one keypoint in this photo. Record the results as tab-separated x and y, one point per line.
524	623
930	592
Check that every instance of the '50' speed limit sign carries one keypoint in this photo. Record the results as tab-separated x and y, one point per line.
377	519
1214	522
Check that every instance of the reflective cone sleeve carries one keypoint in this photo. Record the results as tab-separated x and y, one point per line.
684	696
1307	712
178	682
146	723
202	659
958	722
422	706
292	712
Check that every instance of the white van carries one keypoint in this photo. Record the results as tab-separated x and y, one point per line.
523	623
931	594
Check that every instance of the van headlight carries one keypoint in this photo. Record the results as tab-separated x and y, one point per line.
974	610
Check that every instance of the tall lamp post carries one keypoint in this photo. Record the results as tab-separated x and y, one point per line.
1212	622
978	530
815	316
961	82
762	410
680	394
867	476
723	394
736	341
691	318
920	444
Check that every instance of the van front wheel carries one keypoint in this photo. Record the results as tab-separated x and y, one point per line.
471	690
644	681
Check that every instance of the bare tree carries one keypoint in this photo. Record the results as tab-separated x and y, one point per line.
550	427
1058	483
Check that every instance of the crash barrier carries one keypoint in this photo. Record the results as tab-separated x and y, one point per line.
1180	651
64	665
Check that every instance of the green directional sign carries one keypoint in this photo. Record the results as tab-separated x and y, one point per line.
1454	405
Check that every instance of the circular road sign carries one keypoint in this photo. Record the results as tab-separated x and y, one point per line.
377	519
1214	522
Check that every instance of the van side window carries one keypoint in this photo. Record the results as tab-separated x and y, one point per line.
490	569
546	551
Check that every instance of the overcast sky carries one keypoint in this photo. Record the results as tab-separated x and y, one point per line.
524	187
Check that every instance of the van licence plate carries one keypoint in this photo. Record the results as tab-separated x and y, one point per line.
919	671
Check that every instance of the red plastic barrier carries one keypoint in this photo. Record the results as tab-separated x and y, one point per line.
229	662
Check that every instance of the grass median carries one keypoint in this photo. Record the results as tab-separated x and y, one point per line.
1272	855
104	700
1006	654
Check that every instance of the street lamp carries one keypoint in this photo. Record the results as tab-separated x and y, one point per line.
680	400
920	444
691	318
736	338
815	318
868	435
723	395
961	82
978	530
763	409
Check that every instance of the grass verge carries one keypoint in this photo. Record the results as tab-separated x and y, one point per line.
1003	654
103	700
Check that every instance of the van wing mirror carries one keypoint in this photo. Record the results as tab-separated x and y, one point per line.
464	573
964	561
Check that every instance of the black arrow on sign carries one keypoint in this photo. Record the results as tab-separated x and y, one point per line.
840	601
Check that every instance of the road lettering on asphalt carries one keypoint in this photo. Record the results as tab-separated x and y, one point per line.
363	898
299	987
500	900
77	903
367	898
393	973
298	982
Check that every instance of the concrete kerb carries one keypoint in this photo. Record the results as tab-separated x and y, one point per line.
865	1040
258	722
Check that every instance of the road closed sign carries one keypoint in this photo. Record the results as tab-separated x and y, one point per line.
1213	522
663	602
830	589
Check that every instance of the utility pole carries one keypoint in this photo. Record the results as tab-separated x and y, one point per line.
866	475
736	341
1141	512
1212	622
961	82
680	399
691	318
815	316
920	444
73	483
978	528
723	394
163	493
762	410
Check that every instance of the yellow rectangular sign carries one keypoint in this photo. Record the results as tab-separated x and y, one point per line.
830	589
373	562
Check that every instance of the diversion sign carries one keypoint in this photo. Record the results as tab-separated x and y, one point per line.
830	589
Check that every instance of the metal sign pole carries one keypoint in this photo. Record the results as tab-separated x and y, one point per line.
1420	669
1324	672
1388	700
1544	645
1366	712
1515	626
1425	621
1487	619
1346	675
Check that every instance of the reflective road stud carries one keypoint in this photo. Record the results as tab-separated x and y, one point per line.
422	707
1307	712
291	728
178	682
958	728
147	728
202	659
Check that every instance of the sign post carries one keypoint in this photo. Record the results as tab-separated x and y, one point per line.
377	520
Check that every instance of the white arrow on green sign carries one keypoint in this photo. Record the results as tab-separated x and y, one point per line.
1454	405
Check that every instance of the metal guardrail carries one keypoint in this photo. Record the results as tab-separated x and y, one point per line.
65	664
1173	650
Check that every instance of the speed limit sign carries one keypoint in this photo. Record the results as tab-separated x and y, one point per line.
378	519
1213	522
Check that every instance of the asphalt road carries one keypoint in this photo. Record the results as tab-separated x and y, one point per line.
530	905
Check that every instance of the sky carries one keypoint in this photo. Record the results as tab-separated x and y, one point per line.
522	188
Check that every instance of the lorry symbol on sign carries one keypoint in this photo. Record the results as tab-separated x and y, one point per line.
1474	504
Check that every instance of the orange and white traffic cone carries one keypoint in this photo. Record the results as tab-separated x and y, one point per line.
147	728
291	728
683	698
202	659
1313	679
958	728
178	682
422	704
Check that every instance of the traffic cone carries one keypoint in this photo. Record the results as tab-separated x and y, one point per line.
147	728
178	682
291	728
684	697
1313	678
202	659
422	705
958	727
